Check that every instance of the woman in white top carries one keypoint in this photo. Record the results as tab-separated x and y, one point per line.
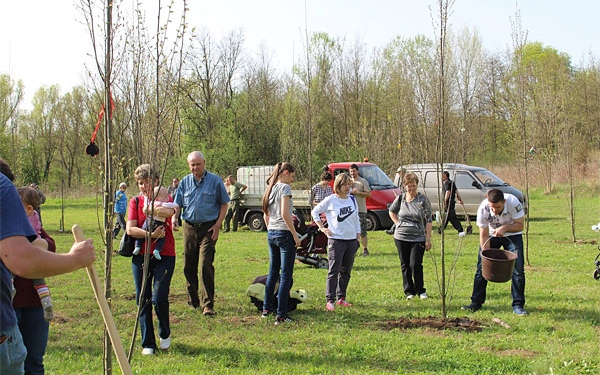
343	231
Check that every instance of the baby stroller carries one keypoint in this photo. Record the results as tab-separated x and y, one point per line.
313	243
256	292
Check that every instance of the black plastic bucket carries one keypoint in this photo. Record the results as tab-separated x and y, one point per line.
497	265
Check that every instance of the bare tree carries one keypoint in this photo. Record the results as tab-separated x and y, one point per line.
72	117
419	60
260	113
150	96
492	113
468	73
317	74
11	95
40	126
441	110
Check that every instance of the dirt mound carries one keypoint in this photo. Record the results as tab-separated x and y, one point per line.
462	324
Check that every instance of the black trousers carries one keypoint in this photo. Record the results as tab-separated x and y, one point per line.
453	219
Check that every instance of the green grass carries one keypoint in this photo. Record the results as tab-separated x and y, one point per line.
559	336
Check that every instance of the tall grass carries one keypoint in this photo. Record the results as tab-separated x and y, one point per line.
559	336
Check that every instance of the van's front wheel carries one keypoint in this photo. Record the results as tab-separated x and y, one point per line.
372	222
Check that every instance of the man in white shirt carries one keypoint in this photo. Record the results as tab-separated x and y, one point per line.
500	219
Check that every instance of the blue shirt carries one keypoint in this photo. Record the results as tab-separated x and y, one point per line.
13	222
201	201
120	202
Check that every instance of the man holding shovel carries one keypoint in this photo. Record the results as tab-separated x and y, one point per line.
451	195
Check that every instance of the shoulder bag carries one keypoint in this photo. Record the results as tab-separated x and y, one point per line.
127	243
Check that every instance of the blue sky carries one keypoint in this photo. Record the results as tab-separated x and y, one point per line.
44	42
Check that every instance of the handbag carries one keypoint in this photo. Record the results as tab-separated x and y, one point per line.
127	244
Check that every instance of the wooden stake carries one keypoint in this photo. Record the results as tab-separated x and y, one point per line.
501	322
109	322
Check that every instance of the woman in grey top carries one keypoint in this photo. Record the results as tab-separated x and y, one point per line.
282	238
411	214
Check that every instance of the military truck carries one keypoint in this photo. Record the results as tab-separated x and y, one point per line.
255	177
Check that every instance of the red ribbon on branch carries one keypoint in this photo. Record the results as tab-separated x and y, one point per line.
92	149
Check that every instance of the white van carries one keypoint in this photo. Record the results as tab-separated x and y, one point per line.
472	183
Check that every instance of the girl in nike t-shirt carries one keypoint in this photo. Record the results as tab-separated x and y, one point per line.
343	231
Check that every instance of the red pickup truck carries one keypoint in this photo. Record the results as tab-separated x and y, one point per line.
383	191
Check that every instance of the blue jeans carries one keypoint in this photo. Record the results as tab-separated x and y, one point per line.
34	329
517	290
157	289
282	255
120	223
12	352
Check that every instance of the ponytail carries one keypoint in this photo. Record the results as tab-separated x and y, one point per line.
272	180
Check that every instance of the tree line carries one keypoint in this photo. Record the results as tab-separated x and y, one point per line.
341	100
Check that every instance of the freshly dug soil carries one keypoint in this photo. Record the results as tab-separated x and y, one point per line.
462	324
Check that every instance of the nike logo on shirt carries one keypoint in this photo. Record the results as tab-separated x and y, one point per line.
345	213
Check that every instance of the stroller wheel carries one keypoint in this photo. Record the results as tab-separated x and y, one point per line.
596	275
322	263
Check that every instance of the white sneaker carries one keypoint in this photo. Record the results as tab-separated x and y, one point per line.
410	296
147	351
462	234
423	296
165	343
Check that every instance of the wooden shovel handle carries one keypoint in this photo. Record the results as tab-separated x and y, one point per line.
105	310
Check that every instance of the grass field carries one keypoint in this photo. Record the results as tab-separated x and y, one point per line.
560	336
